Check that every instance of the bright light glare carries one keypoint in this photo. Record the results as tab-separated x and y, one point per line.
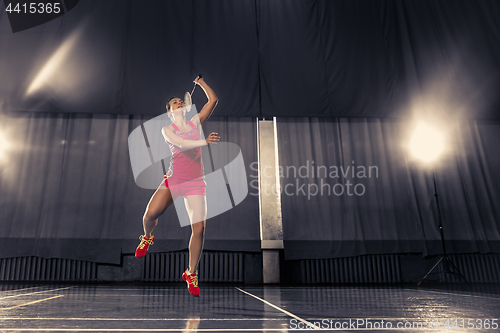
53	64
426	143
4	146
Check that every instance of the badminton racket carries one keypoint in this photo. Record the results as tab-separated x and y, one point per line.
188	102
188	99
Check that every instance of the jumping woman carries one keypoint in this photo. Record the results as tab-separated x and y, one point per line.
184	178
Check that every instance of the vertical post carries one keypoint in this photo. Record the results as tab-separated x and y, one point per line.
271	229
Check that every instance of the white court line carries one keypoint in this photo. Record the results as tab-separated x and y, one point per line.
121	295
144	319
29	303
197	330
188	330
192	330
216	319
156	289
12	290
280	309
465	295
36	292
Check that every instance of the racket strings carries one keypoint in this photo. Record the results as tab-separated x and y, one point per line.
188	100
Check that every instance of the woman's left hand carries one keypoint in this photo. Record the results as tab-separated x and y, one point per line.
198	80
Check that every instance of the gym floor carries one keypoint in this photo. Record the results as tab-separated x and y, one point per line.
246	308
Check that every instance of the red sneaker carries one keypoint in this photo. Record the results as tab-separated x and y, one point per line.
143	247
192	281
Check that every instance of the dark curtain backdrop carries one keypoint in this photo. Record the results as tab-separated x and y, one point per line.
67	190
352	73
351	58
394	210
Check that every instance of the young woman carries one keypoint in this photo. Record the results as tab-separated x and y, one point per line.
184	178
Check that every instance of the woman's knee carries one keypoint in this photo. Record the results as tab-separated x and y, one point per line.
149	215
198	228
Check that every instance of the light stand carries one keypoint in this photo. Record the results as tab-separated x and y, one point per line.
448	266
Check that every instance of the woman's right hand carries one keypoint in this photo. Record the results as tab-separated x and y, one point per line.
213	138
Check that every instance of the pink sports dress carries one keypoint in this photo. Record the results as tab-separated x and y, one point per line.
185	175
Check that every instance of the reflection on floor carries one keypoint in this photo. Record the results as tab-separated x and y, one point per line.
226	308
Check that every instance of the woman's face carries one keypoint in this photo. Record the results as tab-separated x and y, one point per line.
176	103
177	109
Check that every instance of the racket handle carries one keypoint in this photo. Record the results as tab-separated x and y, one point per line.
200	76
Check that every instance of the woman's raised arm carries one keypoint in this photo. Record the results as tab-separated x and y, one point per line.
209	107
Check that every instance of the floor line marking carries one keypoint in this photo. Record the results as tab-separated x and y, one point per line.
280	309
466	295
174	287
213	319
192	330
12	290
146	319
37	292
120	295
148	330
40	300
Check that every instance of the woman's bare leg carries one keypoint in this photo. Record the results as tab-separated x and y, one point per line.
196	206
161	199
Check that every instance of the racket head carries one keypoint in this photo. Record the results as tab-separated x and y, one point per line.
188	101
